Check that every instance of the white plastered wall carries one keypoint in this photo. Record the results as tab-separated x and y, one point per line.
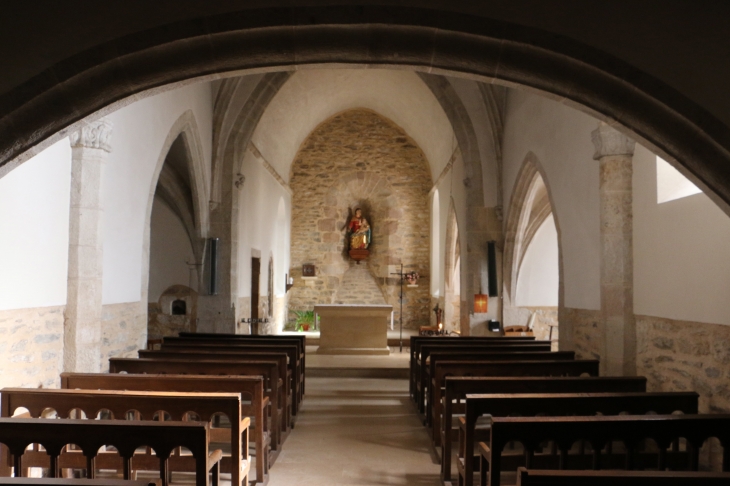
560	138
264	217
34	216
140	130
170	251
537	283
681	252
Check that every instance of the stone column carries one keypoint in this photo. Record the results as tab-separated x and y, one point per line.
82	329
615	152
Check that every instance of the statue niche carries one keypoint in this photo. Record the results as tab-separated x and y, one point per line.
359	234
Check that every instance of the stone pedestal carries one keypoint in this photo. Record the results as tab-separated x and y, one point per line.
353	329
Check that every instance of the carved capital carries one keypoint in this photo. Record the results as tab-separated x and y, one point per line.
95	135
609	141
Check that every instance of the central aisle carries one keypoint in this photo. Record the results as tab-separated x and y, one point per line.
356	431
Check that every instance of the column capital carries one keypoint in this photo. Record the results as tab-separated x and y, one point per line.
609	141
95	135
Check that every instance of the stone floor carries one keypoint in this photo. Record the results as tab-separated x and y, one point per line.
356	431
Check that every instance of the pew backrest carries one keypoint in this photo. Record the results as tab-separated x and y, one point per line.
599	431
534	477
254	403
90	435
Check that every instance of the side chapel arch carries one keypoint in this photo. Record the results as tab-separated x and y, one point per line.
197	225
530	205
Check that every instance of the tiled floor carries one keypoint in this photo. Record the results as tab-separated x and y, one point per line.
356	431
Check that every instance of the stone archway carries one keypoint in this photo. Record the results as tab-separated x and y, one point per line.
47	107
530	205
360	159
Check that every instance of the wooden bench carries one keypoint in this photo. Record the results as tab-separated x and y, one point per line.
254	403
458	387
599	432
417	341
290	350
126	436
269	370
226	339
433	420
70	482
204	354
562	404
588	367
532	477
146	406
422	382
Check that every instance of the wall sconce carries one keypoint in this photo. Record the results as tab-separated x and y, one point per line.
481	302
288	282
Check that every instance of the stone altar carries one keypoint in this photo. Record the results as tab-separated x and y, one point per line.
353	329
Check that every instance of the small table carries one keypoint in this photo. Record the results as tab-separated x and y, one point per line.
353	329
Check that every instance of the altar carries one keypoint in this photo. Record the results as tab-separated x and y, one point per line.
353	329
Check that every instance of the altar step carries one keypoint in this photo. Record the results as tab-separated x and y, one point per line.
348	372
392	342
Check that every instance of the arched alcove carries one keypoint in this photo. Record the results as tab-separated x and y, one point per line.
358	158
531	277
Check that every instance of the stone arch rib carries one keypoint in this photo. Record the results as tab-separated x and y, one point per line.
50	105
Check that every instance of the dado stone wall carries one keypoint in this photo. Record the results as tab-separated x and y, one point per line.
31	347
360	159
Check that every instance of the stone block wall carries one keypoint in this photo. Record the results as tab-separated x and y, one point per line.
123	331
31	347
686	356
587	328
359	159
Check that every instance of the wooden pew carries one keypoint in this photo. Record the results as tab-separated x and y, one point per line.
458	387
417	341
273	385
145	406
426	350
433	420
533	477
126	436
227	339
563	404
70	482
289	349
203	354
599	432
443	369
254	403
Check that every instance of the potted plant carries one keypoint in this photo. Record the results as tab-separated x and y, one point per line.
304	320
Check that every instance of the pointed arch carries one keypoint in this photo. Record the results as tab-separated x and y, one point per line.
197	224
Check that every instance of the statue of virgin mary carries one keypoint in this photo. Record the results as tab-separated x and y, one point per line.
359	230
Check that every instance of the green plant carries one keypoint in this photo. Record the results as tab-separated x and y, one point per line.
304	319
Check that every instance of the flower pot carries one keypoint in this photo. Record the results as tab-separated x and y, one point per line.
305	327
